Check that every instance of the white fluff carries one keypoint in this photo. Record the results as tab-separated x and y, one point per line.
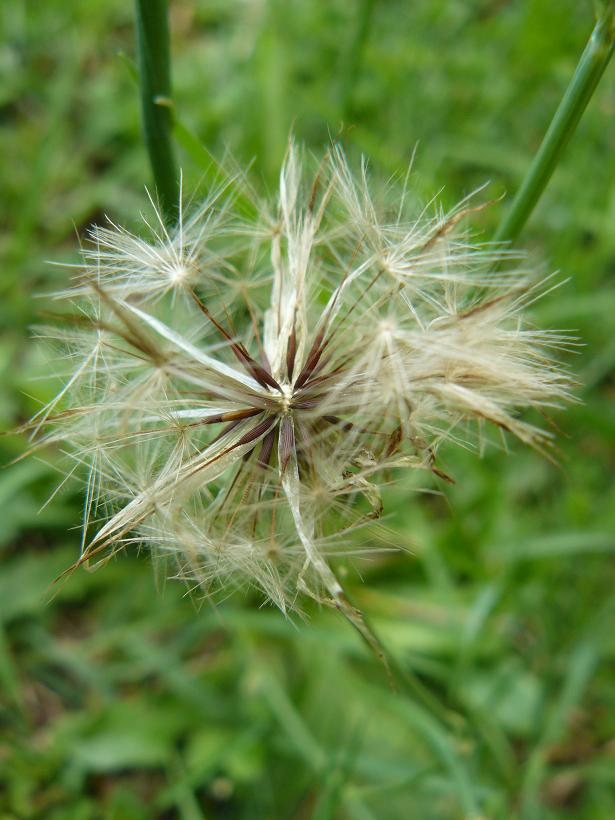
235	388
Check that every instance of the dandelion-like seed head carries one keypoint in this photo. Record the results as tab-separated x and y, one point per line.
239	390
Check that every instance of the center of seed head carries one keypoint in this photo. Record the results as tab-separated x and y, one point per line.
286	395
180	272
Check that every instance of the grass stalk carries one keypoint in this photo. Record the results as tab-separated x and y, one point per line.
589	70
152	24
351	69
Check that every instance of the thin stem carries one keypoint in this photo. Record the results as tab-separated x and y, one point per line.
155	83
588	72
400	677
350	71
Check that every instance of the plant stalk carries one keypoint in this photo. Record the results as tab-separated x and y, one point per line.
400	677
152	23
351	69
589	70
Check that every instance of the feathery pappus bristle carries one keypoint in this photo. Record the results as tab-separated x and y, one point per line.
236	387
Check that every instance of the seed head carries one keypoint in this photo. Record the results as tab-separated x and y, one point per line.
239	390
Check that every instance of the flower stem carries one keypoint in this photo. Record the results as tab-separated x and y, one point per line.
155	84
401	678
588	72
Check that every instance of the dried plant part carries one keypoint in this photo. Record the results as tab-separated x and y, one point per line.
235	389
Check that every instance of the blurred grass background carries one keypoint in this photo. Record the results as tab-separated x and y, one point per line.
119	697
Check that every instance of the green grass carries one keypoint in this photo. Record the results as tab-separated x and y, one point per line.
120	699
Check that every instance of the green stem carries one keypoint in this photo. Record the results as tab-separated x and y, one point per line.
350	72
400	677
155	83
588	72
